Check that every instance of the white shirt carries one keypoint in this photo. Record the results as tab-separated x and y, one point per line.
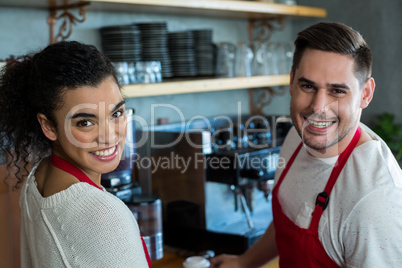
362	225
81	226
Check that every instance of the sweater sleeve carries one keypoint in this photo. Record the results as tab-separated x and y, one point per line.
98	230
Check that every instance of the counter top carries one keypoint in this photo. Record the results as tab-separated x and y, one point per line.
171	260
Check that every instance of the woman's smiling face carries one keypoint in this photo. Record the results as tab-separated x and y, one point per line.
91	128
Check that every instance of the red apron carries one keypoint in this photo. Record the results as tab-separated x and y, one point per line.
299	247
76	172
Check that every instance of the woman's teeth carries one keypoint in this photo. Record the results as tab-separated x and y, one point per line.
319	124
105	152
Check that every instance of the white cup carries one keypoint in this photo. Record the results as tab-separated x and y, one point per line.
2	64
196	262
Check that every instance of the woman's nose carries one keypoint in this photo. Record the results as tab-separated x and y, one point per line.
107	133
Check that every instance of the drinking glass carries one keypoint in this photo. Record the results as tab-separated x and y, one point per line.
156	68
243	57
131	72
122	72
284	55
263	61
225	59
144	73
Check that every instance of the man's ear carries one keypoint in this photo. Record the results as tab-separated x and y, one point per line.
47	127
367	93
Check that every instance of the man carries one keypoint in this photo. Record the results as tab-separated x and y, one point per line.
338	201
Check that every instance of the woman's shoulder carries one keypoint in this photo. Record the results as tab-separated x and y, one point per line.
87	196
97	205
98	220
79	198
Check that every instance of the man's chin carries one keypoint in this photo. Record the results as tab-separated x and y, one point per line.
320	149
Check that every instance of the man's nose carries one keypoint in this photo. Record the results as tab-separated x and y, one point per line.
320	101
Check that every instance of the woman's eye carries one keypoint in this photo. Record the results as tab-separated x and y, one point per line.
84	123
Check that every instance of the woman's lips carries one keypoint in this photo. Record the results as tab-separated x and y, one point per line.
106	154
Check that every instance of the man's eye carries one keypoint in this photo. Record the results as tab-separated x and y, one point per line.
307	87
84	123
118	113
339	91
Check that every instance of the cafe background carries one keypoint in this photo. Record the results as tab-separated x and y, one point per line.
23	30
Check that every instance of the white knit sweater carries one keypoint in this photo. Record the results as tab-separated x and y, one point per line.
81	226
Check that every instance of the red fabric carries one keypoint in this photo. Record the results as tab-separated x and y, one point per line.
299	247
73	170
146	252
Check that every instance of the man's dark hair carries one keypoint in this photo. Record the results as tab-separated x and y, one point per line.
338	38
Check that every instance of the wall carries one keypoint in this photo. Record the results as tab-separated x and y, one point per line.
380	23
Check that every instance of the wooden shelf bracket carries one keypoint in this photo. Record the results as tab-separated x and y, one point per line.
63	13
261	31
262	97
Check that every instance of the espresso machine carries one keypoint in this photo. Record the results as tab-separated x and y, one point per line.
214	177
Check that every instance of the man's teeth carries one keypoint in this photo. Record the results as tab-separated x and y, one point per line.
105	152
319	124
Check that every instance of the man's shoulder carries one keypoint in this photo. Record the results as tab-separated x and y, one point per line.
369	179
374	160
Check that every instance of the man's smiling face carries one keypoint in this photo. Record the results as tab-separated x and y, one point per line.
326	100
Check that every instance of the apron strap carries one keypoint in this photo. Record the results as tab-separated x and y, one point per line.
323	197
287	167
71	169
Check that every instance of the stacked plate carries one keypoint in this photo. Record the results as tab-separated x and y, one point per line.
154	40
182	55
121	43
204	52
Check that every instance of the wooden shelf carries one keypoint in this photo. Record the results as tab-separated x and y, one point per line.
204	85
210	8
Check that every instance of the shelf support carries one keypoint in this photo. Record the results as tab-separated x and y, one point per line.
262	97
263	29
63	13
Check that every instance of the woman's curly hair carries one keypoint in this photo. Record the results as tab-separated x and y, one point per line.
35	84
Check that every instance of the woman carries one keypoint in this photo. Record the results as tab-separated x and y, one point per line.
62	110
